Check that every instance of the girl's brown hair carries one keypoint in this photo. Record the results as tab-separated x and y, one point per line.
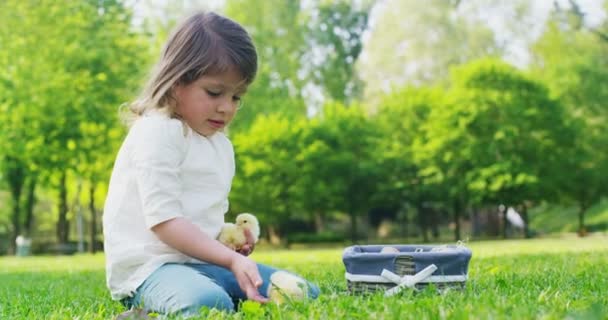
205	43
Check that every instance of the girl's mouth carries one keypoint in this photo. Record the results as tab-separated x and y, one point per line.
218	124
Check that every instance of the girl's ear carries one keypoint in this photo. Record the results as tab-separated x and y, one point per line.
174	89
172	98
175	94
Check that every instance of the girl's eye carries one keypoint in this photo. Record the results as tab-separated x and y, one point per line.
213	93
236	98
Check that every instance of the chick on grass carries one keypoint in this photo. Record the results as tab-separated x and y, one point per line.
286	287
233	236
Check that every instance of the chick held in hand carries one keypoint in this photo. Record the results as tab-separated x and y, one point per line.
233	235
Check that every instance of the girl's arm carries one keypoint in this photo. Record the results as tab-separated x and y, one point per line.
185	237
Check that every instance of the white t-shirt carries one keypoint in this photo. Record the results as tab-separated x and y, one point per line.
163	170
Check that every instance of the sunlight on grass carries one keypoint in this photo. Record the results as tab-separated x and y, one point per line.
69	264
537	246
515	279
312	257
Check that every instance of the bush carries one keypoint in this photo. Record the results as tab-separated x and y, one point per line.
321	237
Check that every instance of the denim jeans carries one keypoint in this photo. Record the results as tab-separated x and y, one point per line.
185	288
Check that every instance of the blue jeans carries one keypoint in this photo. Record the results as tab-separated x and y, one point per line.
185	288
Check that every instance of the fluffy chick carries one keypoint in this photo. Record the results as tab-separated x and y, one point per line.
233	235
285	287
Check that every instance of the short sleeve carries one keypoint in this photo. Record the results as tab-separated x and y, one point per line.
159	147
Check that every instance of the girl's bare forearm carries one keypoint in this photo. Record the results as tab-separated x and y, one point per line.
185	237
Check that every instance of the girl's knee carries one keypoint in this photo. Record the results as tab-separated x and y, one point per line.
313	290
212	299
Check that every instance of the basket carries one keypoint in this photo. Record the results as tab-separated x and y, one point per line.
370	268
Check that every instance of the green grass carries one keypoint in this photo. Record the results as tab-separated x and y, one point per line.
535	279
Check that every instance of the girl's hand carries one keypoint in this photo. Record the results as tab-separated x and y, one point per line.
184	236
248	277
247	248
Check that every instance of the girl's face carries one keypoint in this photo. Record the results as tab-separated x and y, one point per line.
209	103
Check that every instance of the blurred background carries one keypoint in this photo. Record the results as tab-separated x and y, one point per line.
388	121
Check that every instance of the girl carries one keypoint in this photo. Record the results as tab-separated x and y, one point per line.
169	187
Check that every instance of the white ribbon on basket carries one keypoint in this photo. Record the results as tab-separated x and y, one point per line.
406	281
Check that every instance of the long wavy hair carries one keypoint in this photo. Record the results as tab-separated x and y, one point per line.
205	43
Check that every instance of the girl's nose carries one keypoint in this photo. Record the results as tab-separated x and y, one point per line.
227	104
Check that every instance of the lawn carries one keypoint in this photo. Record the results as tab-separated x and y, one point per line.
535	279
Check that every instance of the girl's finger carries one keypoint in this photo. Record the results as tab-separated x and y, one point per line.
249	237
250	240
256	296
245	250
255	278
251	289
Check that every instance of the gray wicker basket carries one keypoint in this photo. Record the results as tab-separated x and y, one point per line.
368	267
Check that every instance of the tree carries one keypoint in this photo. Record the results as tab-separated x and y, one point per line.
499	137
266	170
314	190
415	42
400	117
278	32
70	65
574	64
335	34
351	170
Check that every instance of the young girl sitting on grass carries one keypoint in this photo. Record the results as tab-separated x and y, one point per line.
169	187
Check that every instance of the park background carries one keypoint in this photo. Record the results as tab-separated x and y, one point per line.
369	120
388	121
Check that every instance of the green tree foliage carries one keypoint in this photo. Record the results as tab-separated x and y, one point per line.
314	190
303	171
401	117
302	47
278	32
350	170
416	42
497	138
572	60
66	68
335	36
266	170
307	151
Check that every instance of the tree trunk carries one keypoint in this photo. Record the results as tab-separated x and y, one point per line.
524	216
15	175
476	230
76	208
319	221
404	227
435	224
93	224
575	9
273	235
353	223
582	231
505	223
422	222
62	223
457	220
30	204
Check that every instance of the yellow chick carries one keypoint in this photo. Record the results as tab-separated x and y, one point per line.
285	287
233	235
